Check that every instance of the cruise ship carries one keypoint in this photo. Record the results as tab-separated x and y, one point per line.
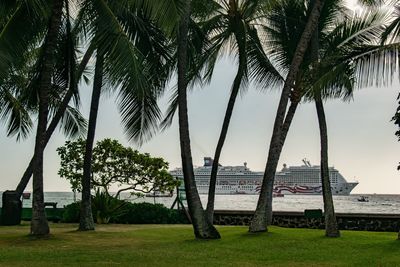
304	180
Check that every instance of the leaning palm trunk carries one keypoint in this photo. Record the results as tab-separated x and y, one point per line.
86	222
285	129
331	227
263	212
39	224
203	229
55	120
228	115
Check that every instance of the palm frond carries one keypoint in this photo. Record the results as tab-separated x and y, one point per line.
17	118
29	21
261	68
73	124
171	110
392	31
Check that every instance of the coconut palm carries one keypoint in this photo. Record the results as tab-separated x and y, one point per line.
232	27
39	225
43	26
227	27
263	212
203	229
131	56
329	70
24	69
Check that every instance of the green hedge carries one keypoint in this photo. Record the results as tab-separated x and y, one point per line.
132	213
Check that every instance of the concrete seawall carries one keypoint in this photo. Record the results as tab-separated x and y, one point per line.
348	221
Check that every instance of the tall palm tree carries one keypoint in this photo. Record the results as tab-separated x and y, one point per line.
203	228
357	34
233	25
43	26
39	225
131	55
21	88
263	212
329	69
219	27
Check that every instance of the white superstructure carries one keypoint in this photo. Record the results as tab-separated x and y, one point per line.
303	179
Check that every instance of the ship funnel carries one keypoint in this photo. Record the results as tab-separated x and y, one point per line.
208	161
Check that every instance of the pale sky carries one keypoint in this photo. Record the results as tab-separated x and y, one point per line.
362	144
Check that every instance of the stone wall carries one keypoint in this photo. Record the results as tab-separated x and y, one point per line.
349	221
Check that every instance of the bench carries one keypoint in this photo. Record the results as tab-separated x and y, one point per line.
50	204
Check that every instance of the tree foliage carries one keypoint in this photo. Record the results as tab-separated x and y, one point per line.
115	165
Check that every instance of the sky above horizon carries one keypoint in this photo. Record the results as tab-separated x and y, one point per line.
362	144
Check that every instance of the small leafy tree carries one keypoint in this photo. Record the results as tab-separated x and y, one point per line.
114	164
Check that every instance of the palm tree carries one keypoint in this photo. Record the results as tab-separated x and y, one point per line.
263	212
357	34
329	70
12	47
203	228
233	25
20	89
131	55
39	225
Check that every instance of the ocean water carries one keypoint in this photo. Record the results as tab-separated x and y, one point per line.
388	204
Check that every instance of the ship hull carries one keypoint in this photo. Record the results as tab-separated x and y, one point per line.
337	189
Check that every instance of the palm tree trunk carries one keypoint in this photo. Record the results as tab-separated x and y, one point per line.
331	227
228	114
39	224
203	229
55	120
86	222
285	129
263	212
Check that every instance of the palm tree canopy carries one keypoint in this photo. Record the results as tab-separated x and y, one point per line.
136	58
19	73
221	27
345	41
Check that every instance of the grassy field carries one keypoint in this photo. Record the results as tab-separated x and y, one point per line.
166	245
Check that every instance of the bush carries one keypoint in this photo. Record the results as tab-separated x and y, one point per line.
71	213
130	213
147	213
105	207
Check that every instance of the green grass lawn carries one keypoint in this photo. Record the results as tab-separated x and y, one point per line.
174	245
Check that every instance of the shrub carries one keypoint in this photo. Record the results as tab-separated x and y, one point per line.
105	207
147	213
71	213
128	213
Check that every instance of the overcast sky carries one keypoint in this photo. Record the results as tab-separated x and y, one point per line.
362	145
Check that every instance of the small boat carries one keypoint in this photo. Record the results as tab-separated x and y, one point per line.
278	195
159	194
363	199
